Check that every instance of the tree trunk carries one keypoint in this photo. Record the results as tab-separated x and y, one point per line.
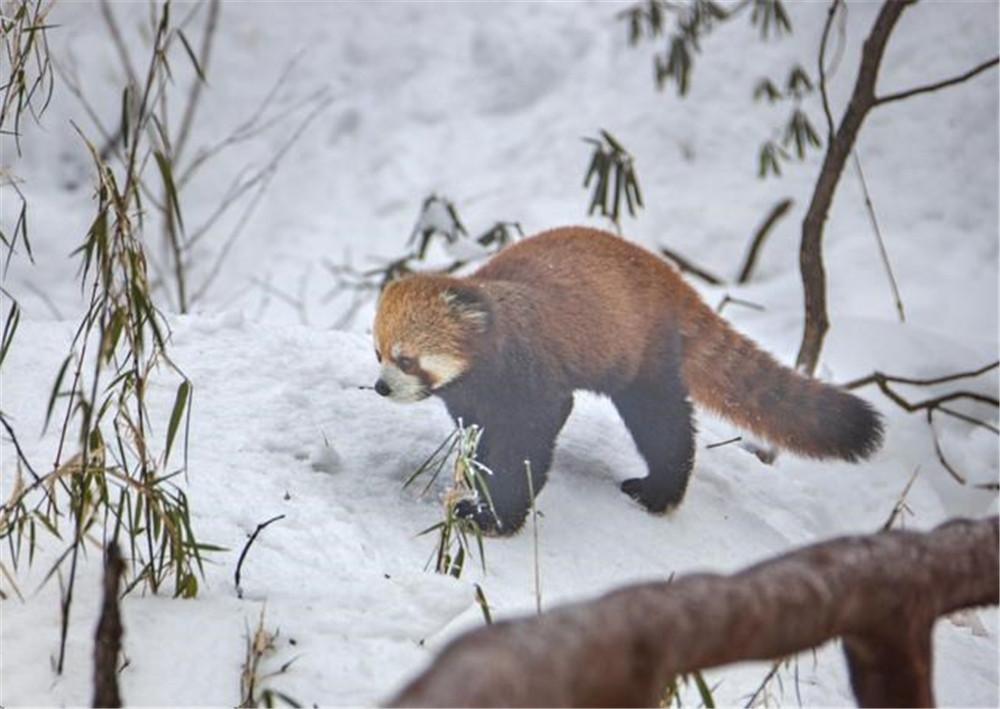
837	151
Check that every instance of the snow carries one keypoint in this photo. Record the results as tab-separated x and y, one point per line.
486	105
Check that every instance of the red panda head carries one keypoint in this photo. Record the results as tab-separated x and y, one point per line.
425	334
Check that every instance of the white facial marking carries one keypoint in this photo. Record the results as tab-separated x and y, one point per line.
442	368
403	387
396	350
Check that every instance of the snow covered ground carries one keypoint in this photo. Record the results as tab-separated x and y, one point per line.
486	104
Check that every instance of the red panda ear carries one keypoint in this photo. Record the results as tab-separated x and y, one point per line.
470	304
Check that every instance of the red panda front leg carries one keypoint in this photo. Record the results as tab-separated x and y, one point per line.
661	421
512	436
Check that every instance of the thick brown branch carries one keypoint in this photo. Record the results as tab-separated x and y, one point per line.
899	96
622	649
108	639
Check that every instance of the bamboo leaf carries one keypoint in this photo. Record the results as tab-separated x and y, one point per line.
703	690
180	402
125	114
168	182
483	604
9	328
192	57
55	391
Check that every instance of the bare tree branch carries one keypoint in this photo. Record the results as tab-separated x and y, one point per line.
838	150
204	57
920	382
899	96
881	593
831	13
687	266
777	212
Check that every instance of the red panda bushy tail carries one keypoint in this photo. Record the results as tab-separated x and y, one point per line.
729	375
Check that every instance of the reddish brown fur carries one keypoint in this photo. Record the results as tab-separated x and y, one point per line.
577	308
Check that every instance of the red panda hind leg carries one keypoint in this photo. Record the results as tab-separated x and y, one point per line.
660	418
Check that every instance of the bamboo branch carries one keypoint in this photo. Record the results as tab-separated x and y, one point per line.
883	253
881	593
108	638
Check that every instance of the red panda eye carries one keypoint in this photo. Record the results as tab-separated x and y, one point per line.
406	364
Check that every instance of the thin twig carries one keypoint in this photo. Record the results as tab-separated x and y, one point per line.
899	96
831	13
900	505
878	237
940	453
262	179
777	212
764	682
934	403
727	299
534	533
194	95
251	127
968	419
727	442
246	548
687	267
17	448
871	378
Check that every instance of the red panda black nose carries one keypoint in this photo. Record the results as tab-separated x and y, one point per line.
382	388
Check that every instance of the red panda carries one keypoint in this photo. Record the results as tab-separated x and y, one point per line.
578	308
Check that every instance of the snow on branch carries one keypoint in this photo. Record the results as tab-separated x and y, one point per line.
881	593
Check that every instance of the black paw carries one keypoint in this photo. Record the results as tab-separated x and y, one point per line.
654	500
489	523
479	512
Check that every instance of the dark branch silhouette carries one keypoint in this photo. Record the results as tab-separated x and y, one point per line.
838	149
777	212
108	638
899	96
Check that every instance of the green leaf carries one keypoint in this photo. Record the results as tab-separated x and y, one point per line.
9	328
125	113
168	182
432	528
483	604
679	64
180	401
769	160
612	143
766	89
191	56
706	694
55	391
799	83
